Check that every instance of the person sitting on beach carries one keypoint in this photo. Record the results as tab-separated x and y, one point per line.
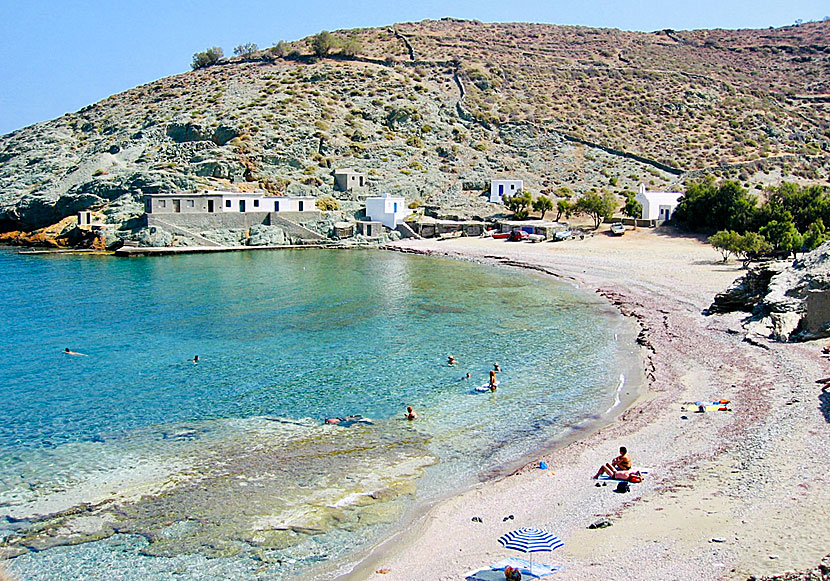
493	382
512	573
451	360
410	413
623	461
626	475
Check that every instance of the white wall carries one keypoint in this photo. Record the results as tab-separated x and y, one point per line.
501	188
653	201
388	210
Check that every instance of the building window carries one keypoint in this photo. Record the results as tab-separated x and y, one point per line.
191	204
256	203
512	186
162	203
227	203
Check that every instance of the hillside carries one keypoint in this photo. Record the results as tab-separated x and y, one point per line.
433	110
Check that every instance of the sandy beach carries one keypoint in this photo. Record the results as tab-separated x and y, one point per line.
727	495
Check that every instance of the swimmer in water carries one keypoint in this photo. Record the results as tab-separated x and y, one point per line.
195	359
451	360
493	382
68	352
496	366
410	413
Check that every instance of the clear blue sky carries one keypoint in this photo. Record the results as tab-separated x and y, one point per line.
59	56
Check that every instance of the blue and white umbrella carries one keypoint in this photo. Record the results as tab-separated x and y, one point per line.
528	540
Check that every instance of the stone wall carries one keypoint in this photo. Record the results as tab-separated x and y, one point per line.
229	220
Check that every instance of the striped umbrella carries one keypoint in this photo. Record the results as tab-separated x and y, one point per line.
528	540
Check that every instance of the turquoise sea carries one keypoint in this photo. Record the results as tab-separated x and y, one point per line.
129	461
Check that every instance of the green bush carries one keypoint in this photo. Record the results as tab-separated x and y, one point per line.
207	58
322	43
246	50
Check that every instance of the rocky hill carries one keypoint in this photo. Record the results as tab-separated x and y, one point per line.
433	110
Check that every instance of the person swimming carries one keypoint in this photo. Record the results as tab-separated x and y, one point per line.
68	352
451	360
410	413
496	366
195	359
493	381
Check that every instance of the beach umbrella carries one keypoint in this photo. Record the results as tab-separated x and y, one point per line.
529	540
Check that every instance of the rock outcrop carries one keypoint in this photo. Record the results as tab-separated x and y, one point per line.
788	301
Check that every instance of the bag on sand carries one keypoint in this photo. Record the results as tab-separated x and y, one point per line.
622	487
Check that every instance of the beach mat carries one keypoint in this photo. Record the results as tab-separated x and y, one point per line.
706	406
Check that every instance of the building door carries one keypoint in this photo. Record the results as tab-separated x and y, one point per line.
276	206
210	206
501	190
395	208
177	206
241	205
301	205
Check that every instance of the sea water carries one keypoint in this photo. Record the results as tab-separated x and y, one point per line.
148	465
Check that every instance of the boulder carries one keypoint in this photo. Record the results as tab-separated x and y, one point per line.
263	235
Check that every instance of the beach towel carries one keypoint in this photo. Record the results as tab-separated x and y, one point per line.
706	406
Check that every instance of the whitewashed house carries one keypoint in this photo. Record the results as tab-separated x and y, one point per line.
501	188
657	206
387	209
215	202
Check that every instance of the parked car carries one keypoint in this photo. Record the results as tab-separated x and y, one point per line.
617	229
517	235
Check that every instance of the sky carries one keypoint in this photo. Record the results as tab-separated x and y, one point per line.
58	56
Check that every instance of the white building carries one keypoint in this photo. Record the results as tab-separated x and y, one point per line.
501	188
387	209
214	202
657	205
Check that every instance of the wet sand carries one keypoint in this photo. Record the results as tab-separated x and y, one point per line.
727	494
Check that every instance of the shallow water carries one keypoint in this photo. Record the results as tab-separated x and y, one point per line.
244	479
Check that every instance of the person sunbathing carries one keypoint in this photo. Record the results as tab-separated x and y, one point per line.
623	461
626	475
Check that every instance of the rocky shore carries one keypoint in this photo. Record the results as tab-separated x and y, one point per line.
727	495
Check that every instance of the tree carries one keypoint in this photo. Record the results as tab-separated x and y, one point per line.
726	242
518	203
543	204
633	209
598	207
815	235
750	245
707	206
246	50
322	43
565	207
207	58
782	236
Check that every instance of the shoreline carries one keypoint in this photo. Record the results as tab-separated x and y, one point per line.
705	508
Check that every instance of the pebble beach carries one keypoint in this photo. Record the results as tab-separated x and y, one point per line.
727	495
